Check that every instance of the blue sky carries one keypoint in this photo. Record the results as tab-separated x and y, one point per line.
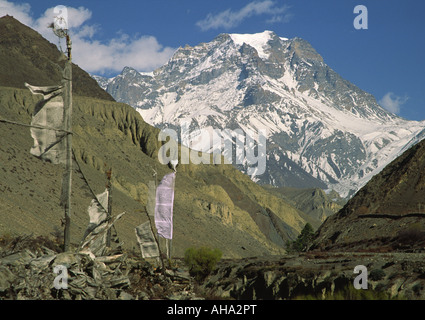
387	59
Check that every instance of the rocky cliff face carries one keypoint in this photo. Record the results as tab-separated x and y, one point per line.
322	131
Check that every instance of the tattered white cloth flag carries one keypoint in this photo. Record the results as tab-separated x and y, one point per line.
97	211
47	122
95	242
164	206
98	208
147	241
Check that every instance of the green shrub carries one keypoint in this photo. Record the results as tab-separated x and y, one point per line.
201	261
303	241
377	274
413	234
417	288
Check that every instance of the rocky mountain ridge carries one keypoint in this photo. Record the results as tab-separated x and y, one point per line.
386	215
322	131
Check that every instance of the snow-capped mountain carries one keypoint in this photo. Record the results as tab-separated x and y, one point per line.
322	130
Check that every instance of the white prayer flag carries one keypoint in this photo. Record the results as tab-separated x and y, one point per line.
95	240
97	211
164	206
48	134
98	208
146	240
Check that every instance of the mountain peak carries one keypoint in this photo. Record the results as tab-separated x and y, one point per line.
246	37
127	70
259	41
322	130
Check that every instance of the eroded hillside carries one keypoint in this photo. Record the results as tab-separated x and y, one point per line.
215	205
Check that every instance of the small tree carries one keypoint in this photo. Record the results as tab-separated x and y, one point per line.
201	261
303	240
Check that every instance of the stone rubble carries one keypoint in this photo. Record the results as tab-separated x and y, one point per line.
319	275
28	274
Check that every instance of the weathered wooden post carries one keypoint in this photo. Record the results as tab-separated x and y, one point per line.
67	100
109	209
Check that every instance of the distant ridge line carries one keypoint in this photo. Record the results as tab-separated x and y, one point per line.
392	216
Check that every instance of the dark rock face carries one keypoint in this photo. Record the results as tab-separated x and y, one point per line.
387	214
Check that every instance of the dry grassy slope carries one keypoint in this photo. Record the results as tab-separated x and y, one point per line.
390	204
114	134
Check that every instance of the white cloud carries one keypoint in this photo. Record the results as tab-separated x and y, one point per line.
228	18
143	53
280	18
392	103
19	11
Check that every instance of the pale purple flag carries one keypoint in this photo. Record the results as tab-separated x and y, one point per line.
164	206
